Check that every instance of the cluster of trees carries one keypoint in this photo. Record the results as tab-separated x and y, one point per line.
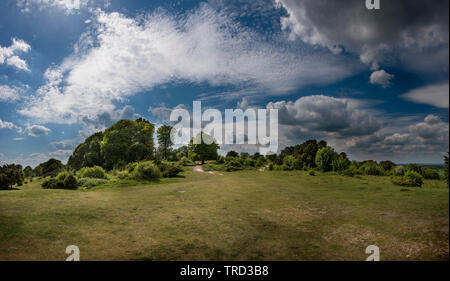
10	175
124	142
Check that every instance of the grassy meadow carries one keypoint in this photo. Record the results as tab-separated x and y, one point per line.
245	215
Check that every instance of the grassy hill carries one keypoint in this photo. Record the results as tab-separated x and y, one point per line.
246	215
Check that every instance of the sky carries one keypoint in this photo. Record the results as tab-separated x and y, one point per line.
372	83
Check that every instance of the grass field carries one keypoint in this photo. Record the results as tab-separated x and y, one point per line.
248	215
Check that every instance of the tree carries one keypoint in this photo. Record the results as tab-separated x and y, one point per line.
165	136
28	172
49	168
87	154
127	141
10	174
306	152
387	165
324	158
205	148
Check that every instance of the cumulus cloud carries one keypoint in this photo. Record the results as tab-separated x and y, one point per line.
326	114
8	93
122	56
9	56
436	95
409	27
381	78
37	130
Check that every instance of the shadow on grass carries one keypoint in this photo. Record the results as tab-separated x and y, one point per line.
9	189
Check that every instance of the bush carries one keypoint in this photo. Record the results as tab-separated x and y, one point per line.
146	171
186	162
372	169
220	160
399	171
324	158
64	180
312	173
233	164
339	164
411	179
431	174
260	162
415	167
270	167
249	162
169	170
95	172
90	182
288	163
348	173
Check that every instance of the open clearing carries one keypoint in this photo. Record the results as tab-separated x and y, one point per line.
248	215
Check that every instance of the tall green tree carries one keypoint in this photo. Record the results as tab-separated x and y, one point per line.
10	174
202	148
164	136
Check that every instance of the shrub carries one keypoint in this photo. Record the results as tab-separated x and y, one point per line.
249	162
339	164
324	158
260	162
123	174
348	173
399	171
233	164
431	174
146	171
90	182
64	180
270	167
298	164
372	169
288	163
312	173
411	179
220	160
169	170
186	162
95	172
415	167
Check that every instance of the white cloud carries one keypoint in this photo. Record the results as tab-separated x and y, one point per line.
8	93
37	130
67	5
123	56
9	56
18	139
61	153
436	95
381	78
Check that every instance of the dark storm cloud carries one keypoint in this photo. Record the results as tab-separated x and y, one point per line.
410	27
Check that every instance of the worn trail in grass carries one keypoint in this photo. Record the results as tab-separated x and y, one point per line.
248	215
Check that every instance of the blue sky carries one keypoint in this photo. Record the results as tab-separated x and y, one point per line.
375	86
